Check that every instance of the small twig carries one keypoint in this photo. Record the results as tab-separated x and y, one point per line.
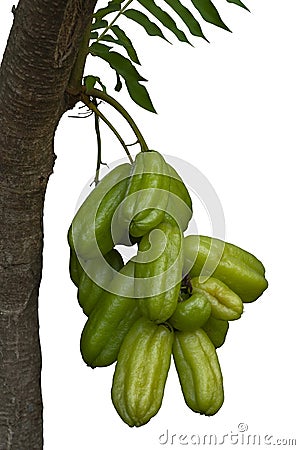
134	143
99	145
85	99
82	115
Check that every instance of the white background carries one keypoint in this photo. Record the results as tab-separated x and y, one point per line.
231	108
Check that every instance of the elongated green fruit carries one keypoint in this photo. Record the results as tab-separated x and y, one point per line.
141	371
90	231
225	304
147	193
95	279
238	269
75	268
158	272
192	313
180	203
216	330
110	321
199	371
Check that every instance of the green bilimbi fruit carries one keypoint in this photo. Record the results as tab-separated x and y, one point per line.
216	330
191	313
158	271
242	272
225	304
199	371
90	231
141	371
180	203
95	279
177	295
147	193
75	268
110	320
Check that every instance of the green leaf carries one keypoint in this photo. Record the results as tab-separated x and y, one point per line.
97	49
239	3
187	17
94	35
99	23
139	95
209	13
114	5
124	40
117	61
164	18
109	38
90	81
140	18
118	86
127	71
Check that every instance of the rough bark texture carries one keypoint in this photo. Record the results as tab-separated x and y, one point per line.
40	53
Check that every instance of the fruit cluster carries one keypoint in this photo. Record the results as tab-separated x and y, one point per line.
176	296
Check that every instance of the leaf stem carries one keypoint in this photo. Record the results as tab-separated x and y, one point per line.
108	27
85	99
115	104
99	145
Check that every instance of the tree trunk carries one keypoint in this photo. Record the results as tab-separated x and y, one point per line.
39	56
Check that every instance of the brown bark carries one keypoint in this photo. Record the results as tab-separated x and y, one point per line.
34	74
